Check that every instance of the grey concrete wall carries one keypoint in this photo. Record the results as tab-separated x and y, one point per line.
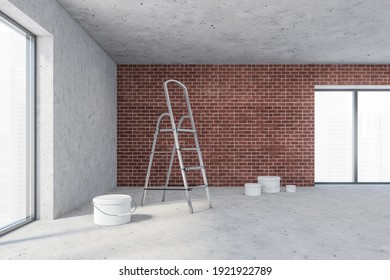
76	117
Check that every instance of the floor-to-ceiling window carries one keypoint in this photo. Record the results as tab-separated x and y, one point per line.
352	135
374	136
334	136
17	100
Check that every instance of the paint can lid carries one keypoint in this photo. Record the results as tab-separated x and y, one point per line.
112	199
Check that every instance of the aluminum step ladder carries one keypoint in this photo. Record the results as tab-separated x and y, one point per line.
176	130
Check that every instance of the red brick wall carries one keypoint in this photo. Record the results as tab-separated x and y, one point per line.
251	119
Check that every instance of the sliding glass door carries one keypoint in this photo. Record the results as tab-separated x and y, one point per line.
352	136
16	125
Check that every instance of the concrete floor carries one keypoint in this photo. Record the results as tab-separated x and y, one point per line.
325	222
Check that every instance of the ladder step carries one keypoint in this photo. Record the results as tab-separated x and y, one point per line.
186	130
193	168
178	130
174	188
188	149
167	189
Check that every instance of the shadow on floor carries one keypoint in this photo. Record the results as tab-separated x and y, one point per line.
135	218
45	236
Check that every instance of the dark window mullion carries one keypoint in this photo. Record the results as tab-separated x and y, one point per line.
355	136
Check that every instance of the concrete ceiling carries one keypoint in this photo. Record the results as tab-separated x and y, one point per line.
237	31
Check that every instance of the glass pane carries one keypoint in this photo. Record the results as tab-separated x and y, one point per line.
374	136
333	136
14	140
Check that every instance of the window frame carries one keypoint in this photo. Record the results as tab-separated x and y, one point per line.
30	123
355	138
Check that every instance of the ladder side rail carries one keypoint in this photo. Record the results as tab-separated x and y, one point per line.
191	117
152	155
171	160
177	145
201	163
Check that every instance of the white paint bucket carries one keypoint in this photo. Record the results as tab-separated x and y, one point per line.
269	184
291	188
252	189
112	209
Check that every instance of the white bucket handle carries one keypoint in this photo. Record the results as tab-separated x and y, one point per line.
116	215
